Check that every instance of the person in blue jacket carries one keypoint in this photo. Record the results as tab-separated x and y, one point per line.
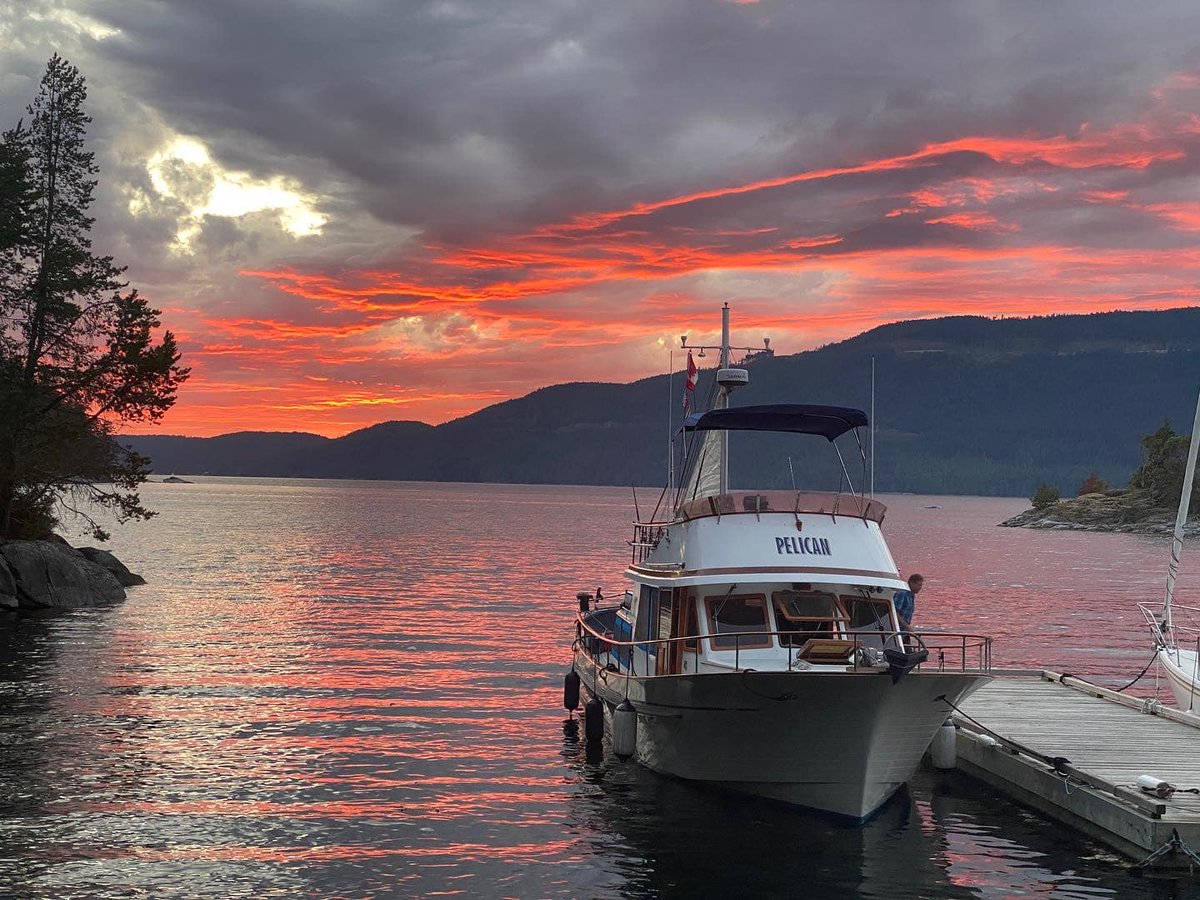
906	601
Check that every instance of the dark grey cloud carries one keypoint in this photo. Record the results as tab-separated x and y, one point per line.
456	117
427	130
439	112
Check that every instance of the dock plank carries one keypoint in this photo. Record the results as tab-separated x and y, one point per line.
1107	740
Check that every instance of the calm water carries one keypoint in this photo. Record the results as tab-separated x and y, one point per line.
335	689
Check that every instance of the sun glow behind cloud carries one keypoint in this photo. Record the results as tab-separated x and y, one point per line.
185	172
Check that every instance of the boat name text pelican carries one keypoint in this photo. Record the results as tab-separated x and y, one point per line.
803	545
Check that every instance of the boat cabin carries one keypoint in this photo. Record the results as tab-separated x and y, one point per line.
767	626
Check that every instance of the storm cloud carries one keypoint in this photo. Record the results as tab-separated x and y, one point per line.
369	210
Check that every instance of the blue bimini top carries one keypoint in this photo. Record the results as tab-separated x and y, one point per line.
828	421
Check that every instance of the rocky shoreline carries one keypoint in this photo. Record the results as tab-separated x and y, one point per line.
1127	511
41	575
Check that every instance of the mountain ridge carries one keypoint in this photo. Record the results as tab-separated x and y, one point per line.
966	404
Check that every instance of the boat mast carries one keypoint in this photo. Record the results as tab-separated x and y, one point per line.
872	427
706	469
1185	500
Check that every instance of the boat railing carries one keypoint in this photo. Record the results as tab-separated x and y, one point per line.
801	502
947	651
646	538
648	535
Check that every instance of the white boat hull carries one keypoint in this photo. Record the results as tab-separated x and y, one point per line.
1182	669
841	742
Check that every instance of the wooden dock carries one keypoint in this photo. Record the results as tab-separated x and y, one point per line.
1074	751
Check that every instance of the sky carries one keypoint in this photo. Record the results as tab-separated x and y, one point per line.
357	211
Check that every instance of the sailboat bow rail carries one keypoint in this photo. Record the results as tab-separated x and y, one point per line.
1168	634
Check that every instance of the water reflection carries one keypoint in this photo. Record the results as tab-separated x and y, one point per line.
944	836
350	689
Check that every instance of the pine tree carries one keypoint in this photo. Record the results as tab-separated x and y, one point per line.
1164	458
78	358
16	217
1044	497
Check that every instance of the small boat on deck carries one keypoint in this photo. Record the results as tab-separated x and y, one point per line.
758	647
1175	629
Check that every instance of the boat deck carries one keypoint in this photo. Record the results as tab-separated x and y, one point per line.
1100	742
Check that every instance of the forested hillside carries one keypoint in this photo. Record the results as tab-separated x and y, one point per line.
964	405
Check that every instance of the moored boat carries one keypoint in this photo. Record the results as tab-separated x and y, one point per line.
1175	629
758	647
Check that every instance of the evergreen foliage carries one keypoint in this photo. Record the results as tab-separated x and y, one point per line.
1164	458
78	357
1045	496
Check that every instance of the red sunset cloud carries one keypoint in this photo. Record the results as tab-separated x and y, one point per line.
1102	218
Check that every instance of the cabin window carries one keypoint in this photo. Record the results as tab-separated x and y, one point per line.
668	653
870	615
661	627
737	613
807	614
691	622
647	614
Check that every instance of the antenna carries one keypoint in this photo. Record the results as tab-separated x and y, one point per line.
792	472
872	427
670	414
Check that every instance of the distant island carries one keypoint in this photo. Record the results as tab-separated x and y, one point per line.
965	405
1122	510
1148	505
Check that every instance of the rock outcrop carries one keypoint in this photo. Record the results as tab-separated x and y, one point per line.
52	575
114	565
1130	511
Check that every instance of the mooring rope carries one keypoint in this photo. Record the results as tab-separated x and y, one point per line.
1139	678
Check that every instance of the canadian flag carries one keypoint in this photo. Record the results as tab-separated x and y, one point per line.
689	384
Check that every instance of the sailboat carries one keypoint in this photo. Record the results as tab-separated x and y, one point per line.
758	646
1176	644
